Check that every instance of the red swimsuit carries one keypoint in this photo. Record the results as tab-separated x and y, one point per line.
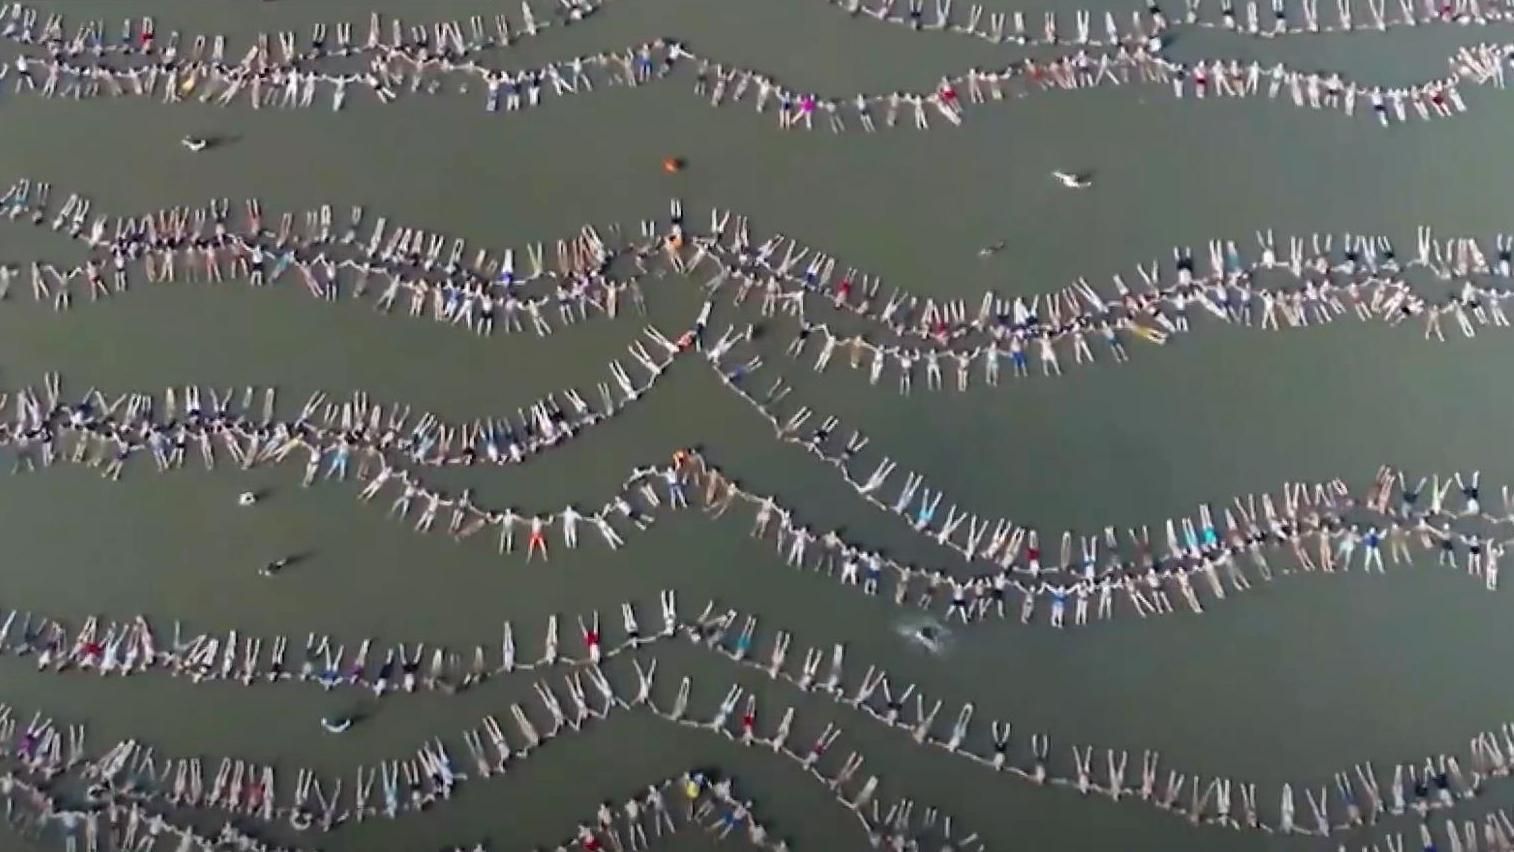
843	290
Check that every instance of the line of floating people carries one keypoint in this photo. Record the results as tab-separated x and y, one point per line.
1377	499
131	774
174	245
549	424
1281	18
710	804
1361	276
1321	527
422	59
1429	768
1468	488
1352	798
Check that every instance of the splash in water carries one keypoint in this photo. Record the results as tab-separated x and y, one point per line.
926	633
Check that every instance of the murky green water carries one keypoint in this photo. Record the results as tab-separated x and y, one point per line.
1291	681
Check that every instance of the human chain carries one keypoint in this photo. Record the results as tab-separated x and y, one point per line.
1321	528
433	272
496	441
92	646
284	73
1358	276
1359	796
1281	18
1277	20
133	776
1329	509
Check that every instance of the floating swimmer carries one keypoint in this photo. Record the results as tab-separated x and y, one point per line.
274	567
991	249
1072	180
927	633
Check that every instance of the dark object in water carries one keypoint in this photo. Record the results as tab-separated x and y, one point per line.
926	633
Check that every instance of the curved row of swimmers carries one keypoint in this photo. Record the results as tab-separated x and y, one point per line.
698	331
25	25
34	810
1353	798
434	273
282	72
711	805
160	237
38	812
702	798
1365	280
1321	527
1020	330
132	647
105	433
422	60
1358	276
132	772
1281	18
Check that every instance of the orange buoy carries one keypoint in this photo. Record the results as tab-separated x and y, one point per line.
672	165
